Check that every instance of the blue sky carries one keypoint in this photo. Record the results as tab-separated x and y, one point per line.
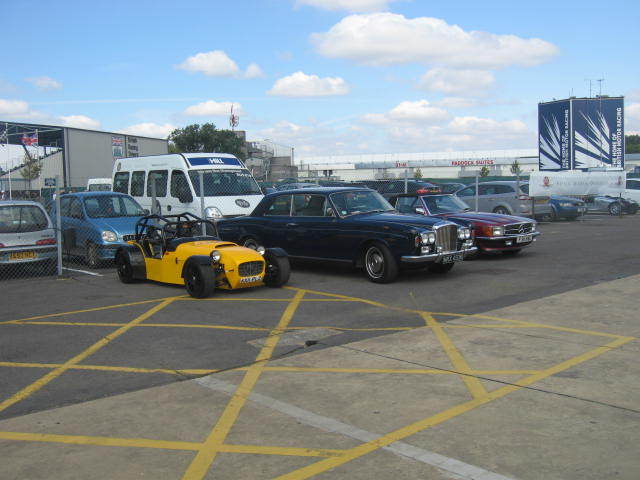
323	76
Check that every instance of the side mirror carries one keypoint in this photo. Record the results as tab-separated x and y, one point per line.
420	210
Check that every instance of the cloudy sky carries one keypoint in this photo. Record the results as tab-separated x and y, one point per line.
323	76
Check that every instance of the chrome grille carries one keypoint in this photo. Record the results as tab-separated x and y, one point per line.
518	228
447	237
128	238
247	269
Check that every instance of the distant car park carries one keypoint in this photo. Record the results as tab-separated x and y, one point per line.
610	204
566	207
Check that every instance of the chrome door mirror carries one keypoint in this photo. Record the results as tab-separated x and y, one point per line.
420	210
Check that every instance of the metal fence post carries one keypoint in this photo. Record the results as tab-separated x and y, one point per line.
201	180
58	225
406	180
154	201
477	188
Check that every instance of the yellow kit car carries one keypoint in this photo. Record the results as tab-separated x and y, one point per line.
185	250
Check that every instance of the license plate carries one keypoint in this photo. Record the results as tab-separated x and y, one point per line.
22	255
453	257
581	209
253	279
524	238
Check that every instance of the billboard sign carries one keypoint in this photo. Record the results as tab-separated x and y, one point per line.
544	184
598	139
554	135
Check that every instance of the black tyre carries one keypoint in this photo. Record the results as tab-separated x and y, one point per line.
549	217
511	252
199	280
440	267
379	264
124	268
614	209
501	211
251	243
277	270
91	255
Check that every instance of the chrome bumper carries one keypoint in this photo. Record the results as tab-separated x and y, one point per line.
435	257
509	237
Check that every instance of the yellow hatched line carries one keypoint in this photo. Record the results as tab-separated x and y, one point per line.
207	454
157	325
457	360
286	451
404	432
38	384
490	325
101	441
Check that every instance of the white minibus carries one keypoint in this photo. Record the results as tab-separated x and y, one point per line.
99	185
229	188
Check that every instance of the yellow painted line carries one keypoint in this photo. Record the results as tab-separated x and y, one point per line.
108	368
357	370
95	309
492	325
207	454
238	299
157	325
404	432
101	441
399	329
286	451
38	384
457	360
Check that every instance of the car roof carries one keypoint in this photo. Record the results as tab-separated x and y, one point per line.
93	194
323	190
19	202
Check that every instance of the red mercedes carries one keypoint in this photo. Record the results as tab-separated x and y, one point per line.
492	232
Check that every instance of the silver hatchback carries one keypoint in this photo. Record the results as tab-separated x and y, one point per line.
27	235
501	197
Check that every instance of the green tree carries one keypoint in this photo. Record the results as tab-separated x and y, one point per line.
31	169
205	138
417	173
515	168
484	171
632	143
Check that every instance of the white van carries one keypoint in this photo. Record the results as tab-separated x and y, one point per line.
229	188
99	185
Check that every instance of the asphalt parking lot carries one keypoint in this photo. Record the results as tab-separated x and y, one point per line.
496	325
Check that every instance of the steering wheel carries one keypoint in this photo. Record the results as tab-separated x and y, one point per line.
154	234
185	229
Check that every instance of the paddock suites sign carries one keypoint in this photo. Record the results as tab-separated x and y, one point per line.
544	184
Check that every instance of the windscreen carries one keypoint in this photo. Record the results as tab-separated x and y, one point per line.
22	218
109	206
224	182
363	201
100	187
444	204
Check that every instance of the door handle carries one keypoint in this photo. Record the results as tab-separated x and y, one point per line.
292	225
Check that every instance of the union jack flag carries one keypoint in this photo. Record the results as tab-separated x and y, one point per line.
30	140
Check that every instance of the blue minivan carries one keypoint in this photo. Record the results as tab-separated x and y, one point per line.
95	224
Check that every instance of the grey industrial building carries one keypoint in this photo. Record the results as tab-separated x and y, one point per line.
73	154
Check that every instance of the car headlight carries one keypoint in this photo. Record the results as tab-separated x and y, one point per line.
566	204
428	238
533	227
261	250
212	212
109	236
215	256
464	233
497	231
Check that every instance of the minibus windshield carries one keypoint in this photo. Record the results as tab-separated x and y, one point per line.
224	182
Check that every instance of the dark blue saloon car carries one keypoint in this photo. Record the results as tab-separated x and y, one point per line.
354	225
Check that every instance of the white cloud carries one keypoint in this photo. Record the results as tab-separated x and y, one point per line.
300	84
391	39
149	129
13	107
212	109
253	71
487	126
463	82
349	5
457	102
45	83
80	121
214	64
419	111
632	118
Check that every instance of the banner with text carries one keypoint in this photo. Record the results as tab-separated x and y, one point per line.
544	184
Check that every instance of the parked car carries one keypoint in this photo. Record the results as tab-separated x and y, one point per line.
451	187
566	207
610	204
27	236
501	197
352	225
492	232
95	224
633	189
390	188
177	253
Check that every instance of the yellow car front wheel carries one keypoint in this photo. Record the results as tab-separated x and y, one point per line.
199	280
